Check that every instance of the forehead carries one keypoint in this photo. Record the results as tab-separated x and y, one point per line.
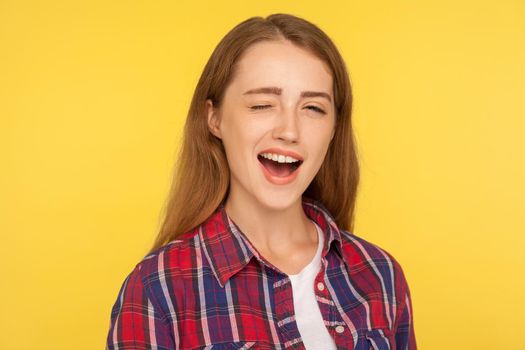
283	64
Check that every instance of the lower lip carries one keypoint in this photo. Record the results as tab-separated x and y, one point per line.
276	179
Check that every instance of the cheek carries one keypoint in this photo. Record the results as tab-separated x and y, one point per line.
318	144
240	141
243	132
318	137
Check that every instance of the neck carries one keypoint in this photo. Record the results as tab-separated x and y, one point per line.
270	229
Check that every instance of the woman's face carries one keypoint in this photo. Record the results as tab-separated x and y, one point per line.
279	104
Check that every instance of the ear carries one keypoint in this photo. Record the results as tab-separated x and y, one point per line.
213	119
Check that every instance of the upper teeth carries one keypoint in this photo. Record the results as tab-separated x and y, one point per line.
279	158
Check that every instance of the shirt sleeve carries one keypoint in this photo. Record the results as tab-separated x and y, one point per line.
136	323
404	329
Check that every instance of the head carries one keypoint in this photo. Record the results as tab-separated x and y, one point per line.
279	102
231	124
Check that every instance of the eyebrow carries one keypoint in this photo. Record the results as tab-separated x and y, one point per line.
277	91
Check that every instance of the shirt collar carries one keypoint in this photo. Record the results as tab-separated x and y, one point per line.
228	250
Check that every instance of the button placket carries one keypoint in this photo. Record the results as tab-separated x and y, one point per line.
320	286
332	310
284	308
329	314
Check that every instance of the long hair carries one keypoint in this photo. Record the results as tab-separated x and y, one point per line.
202	175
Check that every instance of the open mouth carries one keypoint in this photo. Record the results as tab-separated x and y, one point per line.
279	165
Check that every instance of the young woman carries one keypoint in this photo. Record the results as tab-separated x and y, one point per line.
256	249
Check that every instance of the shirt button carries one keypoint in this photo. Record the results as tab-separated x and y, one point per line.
320	286
339	329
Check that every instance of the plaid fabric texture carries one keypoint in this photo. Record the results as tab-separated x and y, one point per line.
211	289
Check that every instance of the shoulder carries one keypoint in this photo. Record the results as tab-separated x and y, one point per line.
159	276
365	257
171	258
364	250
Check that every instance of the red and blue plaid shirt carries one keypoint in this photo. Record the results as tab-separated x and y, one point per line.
211	289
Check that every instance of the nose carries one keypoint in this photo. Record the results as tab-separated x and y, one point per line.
286	126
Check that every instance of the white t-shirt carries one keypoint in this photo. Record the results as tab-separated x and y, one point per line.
307	314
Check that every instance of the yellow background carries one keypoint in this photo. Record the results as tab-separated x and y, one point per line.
93	96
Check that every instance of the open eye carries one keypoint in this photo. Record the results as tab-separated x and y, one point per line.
316	109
